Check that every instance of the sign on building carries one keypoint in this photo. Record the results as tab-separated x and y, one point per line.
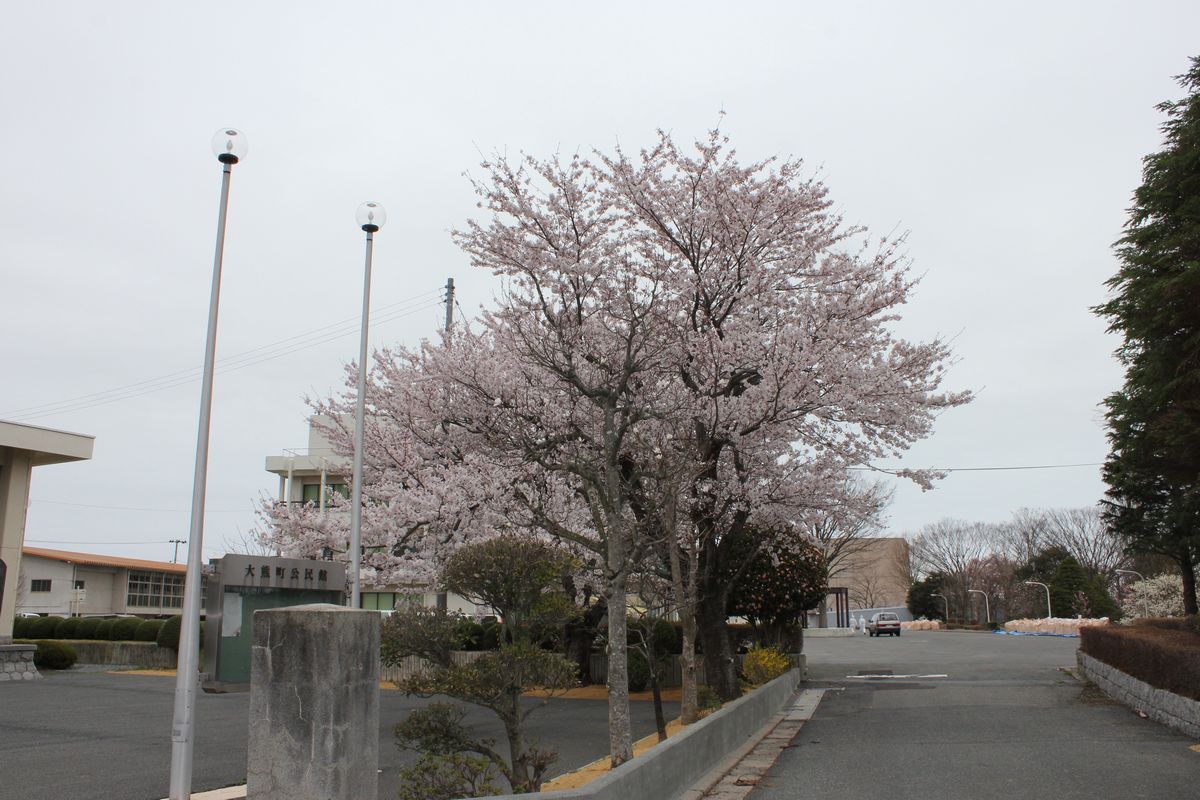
239	585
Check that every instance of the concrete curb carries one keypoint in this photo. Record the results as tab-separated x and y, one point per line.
1170	709
672	767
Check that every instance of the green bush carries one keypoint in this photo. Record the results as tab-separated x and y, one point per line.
490	639
43	627
125	629
20	626
168	634
639	671
104	630
54	655
68	628
147	630
1164	658
707	700
87	628
471	633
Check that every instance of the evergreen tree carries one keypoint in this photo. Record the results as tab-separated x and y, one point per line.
1153	469
921	600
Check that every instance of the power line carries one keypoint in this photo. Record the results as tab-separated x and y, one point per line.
894	470
257	355
134	508
91	541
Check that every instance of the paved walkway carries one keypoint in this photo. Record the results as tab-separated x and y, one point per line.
1006	722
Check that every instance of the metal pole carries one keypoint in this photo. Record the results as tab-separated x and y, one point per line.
987	606
177	542
187	677
1049	610
1145	600
359	417
442	600
947	601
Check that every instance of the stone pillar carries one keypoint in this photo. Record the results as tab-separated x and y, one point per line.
16	662
314	704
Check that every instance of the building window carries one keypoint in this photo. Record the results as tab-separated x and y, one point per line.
311	492
39	585
154	590
79	584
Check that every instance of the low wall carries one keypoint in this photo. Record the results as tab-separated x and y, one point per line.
16	662
412	666
1170	709
671	767
138	654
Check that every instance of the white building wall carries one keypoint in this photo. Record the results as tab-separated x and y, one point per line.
58	599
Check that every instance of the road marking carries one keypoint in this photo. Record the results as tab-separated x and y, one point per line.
880	677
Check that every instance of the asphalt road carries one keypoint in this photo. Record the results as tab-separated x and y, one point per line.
88	735
1005	723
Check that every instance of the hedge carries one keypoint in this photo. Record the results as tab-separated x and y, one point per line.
125	628
168	634
43	627
20	626
68	628
1164	658
104	629
87	628
147	630
1190	624
53	655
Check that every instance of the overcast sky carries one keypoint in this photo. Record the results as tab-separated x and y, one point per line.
1006	138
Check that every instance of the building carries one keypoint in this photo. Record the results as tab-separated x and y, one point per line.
872	574
23	447
85	584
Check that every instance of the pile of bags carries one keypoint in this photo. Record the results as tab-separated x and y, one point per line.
921	625
1056	625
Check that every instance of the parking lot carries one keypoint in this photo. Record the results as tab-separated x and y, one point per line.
92	735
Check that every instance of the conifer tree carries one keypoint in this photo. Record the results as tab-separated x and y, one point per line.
1153	470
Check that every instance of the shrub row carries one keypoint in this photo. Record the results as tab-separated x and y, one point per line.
1164	658
1191	624
116	629
51	654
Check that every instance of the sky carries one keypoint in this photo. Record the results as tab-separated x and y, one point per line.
1004	139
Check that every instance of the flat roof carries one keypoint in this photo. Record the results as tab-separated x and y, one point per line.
93	560
49	446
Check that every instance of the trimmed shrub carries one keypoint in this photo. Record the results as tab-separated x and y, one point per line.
54	655
1190	624
43	627
125	628
764	664
20	626
168	634
68	628
87	628
147	630
1164	658
104	630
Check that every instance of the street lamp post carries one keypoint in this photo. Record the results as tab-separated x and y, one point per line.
947	601
1145	601
370	217
987	606
229	146
1049	610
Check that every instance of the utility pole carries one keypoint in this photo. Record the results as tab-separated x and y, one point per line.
176	542
443	602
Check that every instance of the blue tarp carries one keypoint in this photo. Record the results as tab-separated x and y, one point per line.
1022	633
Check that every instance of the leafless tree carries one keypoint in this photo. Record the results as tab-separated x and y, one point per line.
846	530
1083	534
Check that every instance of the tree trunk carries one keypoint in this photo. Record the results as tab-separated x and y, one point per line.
620	735
685	601
516	746
720	661
660	719
1188	570
823	613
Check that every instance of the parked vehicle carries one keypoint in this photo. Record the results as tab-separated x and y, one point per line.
883	622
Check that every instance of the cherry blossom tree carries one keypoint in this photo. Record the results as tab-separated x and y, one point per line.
685	349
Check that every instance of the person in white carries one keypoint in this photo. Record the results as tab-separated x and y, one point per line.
862	623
